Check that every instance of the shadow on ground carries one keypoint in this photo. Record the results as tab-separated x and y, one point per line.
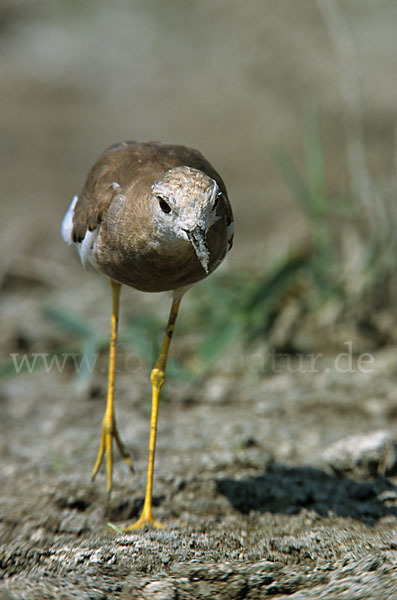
288	490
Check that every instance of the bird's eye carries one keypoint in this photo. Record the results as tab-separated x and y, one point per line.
165	207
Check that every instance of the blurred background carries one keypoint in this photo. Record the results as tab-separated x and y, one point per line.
293	102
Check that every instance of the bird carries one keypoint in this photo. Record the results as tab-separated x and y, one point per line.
155	217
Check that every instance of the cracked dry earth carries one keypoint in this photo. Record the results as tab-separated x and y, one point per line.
258	497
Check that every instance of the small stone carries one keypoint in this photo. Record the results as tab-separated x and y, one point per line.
73	522
366	455
159	590
38	535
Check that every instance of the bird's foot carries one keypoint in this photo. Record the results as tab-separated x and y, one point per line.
110	432
145	520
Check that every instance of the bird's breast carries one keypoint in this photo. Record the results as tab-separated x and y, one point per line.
138	257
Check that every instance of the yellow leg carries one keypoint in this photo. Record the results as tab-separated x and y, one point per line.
157	378
109	426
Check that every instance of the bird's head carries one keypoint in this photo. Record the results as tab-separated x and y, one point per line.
184	207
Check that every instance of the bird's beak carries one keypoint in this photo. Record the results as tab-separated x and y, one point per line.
197	237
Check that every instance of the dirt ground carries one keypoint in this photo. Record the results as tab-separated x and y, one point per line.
253	504
275	482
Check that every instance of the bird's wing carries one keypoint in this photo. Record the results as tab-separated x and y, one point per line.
101	186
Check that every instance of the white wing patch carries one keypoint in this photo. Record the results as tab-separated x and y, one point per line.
67	223
84	248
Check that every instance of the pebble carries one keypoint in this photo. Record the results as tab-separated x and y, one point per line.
159	590
365	455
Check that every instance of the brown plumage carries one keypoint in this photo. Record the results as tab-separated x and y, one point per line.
117	199
155	217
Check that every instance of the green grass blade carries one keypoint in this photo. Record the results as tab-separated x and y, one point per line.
68	322
315	167
221	338
293	179
270	286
